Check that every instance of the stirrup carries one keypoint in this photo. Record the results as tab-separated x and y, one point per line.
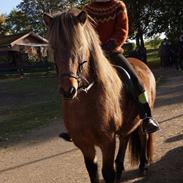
65	136
149	125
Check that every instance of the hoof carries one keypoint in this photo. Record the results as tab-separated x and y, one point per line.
143	171
65	136
118	179
119	173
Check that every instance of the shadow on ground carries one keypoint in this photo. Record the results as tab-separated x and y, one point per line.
161	171
37	135
170	93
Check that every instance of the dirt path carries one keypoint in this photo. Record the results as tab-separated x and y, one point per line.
41	157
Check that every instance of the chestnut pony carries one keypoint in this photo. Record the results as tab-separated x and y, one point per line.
97	107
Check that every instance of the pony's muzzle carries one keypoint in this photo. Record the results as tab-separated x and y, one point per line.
70	93
68	85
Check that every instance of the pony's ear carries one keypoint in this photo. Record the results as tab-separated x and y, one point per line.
47	19
82	17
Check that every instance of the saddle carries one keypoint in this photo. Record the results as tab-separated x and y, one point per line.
126	79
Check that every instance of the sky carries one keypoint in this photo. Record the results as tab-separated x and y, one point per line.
7	5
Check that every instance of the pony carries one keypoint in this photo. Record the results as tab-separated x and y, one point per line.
97	107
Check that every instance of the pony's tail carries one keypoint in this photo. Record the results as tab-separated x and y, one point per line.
135	146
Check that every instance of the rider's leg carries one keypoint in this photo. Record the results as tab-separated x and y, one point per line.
149	124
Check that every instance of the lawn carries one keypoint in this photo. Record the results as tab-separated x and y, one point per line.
153	58
27	104
153	61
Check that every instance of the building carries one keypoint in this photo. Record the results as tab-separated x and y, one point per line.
16	49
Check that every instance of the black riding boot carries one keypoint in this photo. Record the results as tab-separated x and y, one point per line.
149	125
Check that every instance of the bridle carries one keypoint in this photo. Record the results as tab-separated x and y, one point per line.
80	78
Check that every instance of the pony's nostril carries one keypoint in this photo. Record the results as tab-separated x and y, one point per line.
72	91
69	94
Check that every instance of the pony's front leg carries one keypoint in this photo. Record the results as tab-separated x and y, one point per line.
108	151
89	154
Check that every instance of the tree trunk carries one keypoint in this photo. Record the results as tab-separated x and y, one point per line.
141	50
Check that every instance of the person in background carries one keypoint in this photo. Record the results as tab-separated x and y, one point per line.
112	27
180	53
162	53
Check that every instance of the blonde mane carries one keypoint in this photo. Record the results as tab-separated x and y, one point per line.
70	37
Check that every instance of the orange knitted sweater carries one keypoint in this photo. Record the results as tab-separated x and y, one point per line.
112	21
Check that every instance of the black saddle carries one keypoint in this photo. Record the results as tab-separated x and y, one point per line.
126	79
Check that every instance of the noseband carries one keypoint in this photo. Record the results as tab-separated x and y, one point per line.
78	76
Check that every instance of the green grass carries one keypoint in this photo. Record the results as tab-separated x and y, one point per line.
153	58
27	104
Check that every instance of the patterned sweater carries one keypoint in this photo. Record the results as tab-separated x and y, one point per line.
112	21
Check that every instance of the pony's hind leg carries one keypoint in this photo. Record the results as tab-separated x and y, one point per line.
90	159
146	151
108	151
139	150
143	166
123	141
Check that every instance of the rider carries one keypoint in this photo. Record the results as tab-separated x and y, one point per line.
112	27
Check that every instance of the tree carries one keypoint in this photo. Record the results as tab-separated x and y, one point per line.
34	9
140	15
16	22
156	17
168	18
2	22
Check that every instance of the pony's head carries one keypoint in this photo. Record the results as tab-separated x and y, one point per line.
70	44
